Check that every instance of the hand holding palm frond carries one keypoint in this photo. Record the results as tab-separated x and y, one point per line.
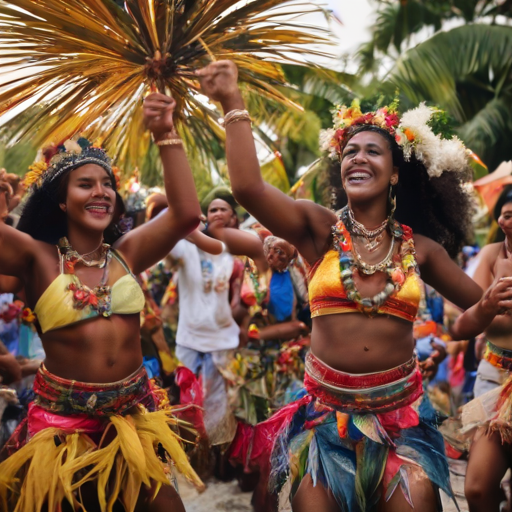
88	63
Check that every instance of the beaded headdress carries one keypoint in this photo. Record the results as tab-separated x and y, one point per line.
66	157
413	132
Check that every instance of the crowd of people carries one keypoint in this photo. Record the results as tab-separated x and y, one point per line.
301	349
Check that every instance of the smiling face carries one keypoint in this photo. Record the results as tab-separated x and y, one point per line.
367	167
90	198
505	220
221	210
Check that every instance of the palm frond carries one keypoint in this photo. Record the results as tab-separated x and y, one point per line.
89	63
468	72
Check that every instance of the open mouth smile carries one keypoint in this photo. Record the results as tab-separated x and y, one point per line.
99	209
356	177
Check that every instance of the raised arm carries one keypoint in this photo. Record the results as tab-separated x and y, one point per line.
16	248
303	223
150	243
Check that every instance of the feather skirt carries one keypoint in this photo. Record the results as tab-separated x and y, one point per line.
355	435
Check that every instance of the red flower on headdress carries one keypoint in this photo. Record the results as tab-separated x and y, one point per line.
392	120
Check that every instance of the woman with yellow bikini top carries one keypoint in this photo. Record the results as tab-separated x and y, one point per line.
354	442
92	434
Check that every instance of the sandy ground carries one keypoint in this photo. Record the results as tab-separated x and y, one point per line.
227	497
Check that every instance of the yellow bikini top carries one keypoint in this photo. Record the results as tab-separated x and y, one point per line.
327	294
66	301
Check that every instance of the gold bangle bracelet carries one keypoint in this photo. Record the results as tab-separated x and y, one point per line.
236	119
169	142
235	115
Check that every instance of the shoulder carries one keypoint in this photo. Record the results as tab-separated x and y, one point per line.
426	248
319	212
491	251
320	221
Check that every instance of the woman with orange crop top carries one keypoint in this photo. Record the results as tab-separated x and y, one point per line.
98	431
357	440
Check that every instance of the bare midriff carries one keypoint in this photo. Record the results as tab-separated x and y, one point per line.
501	334
355	343
100	350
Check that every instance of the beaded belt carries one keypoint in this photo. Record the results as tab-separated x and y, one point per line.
498	357
63	396
370	392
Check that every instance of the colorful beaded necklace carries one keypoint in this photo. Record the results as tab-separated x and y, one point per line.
397	268
98	298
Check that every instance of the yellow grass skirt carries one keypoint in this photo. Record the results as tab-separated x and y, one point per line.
137	448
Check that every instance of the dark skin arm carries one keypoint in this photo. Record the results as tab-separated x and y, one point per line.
303	223
439	271
493	274
10	284
10	370
240	243
150	243
204	242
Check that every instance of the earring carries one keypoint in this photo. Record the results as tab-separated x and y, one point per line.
392	200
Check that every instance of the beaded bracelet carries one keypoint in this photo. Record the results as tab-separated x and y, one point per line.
234	116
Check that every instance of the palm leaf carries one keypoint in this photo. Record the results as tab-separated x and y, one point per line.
88	63
468	72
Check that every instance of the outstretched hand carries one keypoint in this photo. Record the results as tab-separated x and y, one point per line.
219	81
158	114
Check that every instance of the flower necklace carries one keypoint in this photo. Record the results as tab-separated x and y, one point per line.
397	267
97	298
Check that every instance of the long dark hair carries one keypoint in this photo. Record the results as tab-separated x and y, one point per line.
43	219
438	208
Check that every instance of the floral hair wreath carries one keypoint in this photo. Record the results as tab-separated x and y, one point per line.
59	159
413	134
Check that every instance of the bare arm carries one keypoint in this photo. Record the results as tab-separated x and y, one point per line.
493	273
444	275
17	251
10	284
10	370
303	223
447	278
205	243
150	243
240	243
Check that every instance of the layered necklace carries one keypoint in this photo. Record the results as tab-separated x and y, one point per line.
97	298
373	237
396	266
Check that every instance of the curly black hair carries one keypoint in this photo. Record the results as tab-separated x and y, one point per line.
43	219
438	207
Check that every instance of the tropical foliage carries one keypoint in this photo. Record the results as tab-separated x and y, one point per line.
466	70
88	64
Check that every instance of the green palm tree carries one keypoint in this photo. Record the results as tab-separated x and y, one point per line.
468	72
398	20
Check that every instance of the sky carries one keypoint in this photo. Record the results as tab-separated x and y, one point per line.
356	19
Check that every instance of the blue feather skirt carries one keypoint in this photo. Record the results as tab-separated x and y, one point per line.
357	436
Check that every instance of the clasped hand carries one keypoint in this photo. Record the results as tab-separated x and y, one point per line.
158	113
498	297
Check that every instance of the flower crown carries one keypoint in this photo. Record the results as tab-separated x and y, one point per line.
412	132
65	157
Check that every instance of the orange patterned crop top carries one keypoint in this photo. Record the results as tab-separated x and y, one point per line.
327	295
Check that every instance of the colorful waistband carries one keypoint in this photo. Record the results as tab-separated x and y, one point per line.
371	392
63	396
498	357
